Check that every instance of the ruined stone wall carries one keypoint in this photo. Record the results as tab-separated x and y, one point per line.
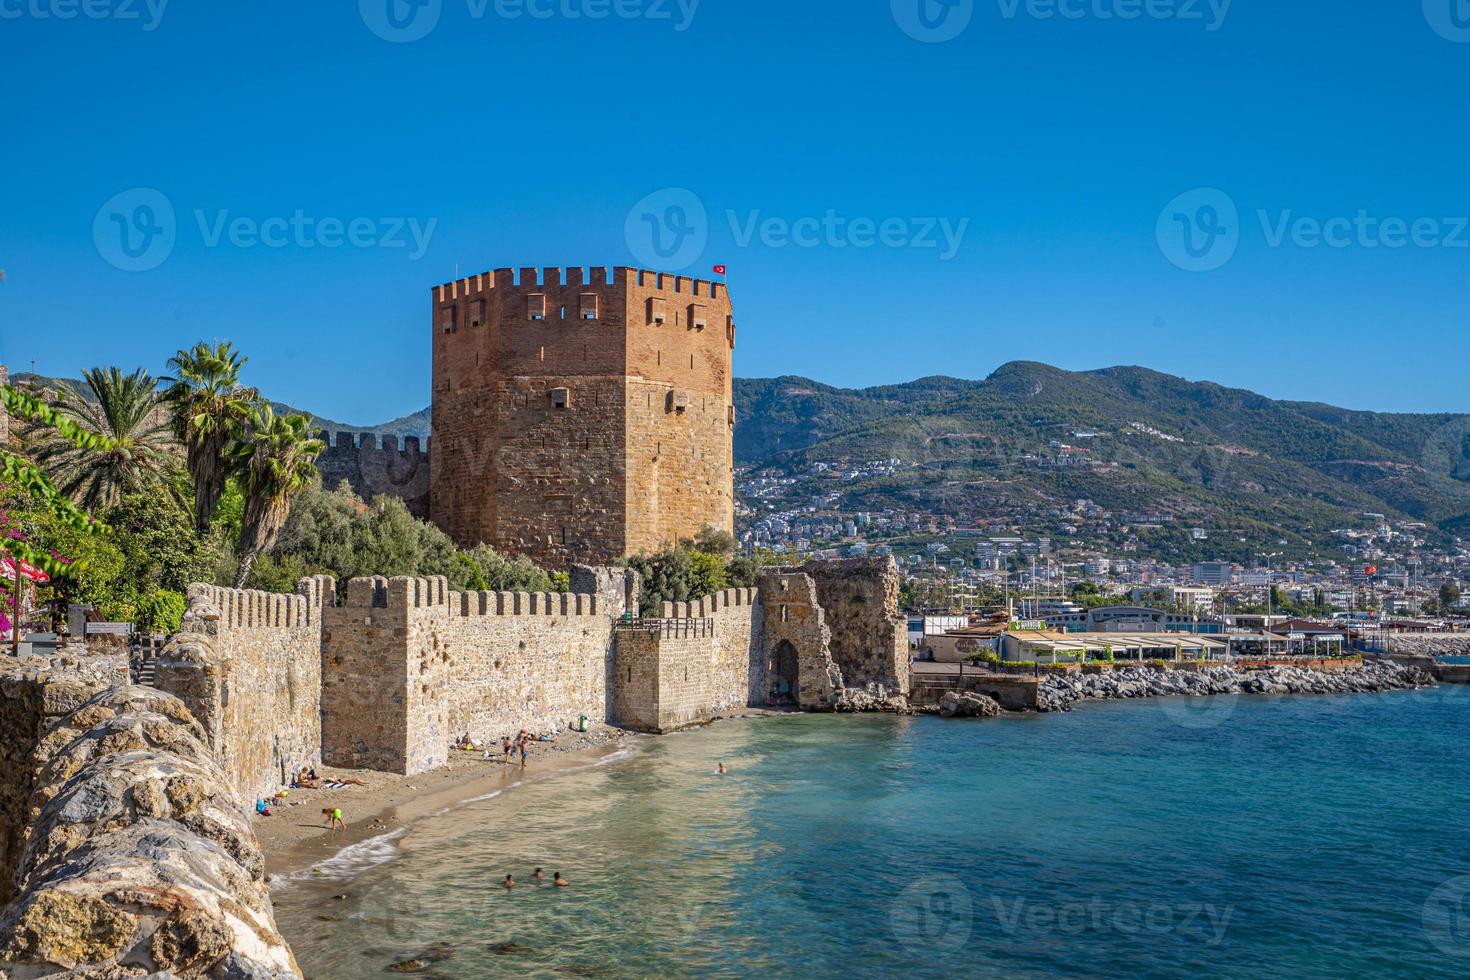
139	858
702	660
869	634
248	666
372	468
794	617
581	418
409	666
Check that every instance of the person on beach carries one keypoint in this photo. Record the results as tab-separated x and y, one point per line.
262	808
558	880
334	818
510	882
525	751
506	749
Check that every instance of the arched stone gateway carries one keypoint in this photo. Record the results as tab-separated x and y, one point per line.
785	674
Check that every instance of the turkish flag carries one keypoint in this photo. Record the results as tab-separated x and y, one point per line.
719	270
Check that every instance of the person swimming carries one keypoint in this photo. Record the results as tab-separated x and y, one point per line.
559	881
721	770
538	873
510	882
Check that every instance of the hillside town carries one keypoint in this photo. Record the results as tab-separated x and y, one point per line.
1379	569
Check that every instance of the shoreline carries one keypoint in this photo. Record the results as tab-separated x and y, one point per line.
295	840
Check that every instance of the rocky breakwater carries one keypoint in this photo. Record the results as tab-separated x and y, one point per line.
138	858
1059	692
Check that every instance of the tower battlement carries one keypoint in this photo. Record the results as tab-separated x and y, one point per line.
533	277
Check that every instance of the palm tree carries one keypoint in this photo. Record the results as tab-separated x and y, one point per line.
275	462
139	451
210	409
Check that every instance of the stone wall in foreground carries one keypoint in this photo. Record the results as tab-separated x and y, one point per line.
138	858
408	666
247	664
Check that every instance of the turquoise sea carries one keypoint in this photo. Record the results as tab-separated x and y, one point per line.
1223	837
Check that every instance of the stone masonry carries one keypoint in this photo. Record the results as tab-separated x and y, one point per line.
137	855
581	418
372	468
408	666
701	660
248	666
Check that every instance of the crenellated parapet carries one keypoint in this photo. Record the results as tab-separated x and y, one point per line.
576	277
378	466
711	605
433	592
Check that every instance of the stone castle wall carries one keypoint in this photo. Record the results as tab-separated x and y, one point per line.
409	666
137	854
581	418
248	666
702	660
374	467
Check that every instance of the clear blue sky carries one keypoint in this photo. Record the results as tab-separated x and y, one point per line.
527	140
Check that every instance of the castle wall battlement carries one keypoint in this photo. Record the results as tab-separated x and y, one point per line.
379	467
405	593
710	605
253	609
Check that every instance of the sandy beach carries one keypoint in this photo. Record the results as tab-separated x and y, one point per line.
295	836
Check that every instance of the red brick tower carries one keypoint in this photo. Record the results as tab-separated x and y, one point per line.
581	419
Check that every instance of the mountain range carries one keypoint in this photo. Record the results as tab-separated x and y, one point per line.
1030	438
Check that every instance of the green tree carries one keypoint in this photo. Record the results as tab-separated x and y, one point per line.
1449	596
275	463
138	452
210	411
